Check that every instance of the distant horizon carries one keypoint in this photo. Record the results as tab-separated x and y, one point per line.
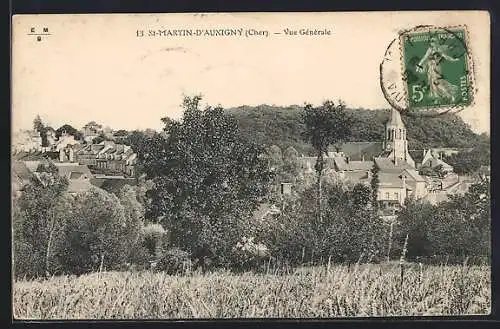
47	123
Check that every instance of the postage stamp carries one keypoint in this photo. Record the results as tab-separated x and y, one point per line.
436	67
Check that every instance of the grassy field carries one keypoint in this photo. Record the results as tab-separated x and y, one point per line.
336	291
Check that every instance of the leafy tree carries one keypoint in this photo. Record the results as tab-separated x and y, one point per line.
94	126
457	228
291	166
469	220
97	232
68	129
121	133
468	162
324	126
144	144
275	158
348	229
374	186
37	221
207	180
415	219
134	216
101	138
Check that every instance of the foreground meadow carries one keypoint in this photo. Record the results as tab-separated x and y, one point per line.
336	291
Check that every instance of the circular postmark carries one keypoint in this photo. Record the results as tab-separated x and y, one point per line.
428	71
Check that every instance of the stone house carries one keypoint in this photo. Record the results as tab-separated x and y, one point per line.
108	157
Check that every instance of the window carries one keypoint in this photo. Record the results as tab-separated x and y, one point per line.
387	195
396	195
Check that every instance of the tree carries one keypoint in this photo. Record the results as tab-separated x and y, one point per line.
374	185
100	138
414	220
96	233
347	231
291	166
324	126
38	213
143	144
467	222
453	229
275	158
68	129
207	180
121	133
134	217
39	127
469	161
94	126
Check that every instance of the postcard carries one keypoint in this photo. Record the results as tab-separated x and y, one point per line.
251	165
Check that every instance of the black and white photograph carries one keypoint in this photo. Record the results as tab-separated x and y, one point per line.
250	165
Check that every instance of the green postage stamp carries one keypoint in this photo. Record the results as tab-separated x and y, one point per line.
436	67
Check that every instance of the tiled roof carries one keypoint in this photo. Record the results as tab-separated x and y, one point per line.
357	150
416	155
32	165
385	164
75	175
339	163
357	177
79	185
414	175
359	165
67	170
390	179
437	197
29	156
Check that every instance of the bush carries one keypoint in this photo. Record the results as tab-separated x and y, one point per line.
249	255
452	230
174	261
349	228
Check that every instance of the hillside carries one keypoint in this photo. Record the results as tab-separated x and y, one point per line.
268	125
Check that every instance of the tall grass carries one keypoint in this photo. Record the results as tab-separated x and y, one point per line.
324	291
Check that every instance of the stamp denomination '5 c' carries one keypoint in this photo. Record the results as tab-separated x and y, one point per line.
436	68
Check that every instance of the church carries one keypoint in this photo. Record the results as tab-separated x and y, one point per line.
398	177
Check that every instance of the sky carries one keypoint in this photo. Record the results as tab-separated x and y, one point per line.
94	67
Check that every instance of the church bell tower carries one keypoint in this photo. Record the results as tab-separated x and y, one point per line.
395	139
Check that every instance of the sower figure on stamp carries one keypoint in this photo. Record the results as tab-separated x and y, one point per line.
431	65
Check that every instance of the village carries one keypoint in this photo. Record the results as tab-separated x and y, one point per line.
82	162
402	174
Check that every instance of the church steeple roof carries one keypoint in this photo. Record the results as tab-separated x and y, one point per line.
395	119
